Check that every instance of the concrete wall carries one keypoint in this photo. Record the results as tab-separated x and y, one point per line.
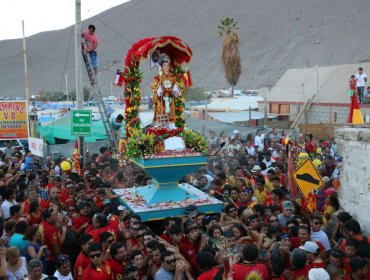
323	113
354	146
319	131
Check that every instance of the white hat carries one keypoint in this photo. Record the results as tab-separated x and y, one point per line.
256	169
326	179
318	274
310	247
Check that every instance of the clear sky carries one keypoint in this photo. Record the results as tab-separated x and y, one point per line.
45	15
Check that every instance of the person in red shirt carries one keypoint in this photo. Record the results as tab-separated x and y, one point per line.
249	267
32	196
167	223
118	259
99	225
207	266
246	198
299	269
68	194
83	259
34	217
81	220
133	242
176	236
360	269
312	251
91	43
98	269
191	244
137	259
154	249
50	237
350	251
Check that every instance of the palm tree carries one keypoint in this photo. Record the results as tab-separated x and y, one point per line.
230	51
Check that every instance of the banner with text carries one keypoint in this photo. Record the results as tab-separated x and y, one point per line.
13	120
36	146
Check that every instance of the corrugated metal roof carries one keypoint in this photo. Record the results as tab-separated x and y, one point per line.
232	117
236	104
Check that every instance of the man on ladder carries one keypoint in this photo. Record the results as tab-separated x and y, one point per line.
91	43
90	59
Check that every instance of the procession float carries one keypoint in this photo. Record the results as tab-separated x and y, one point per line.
166	150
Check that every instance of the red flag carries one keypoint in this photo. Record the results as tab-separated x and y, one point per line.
291	183
186	79
118	79
355	115
310	204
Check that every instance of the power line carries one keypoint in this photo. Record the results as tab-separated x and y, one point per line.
66	60
115	31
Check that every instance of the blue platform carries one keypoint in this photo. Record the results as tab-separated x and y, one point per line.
165	197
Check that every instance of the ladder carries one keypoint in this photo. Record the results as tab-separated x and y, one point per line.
302	112
98	98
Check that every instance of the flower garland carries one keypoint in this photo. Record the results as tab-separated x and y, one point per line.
194	140
132	78
180	100
138	138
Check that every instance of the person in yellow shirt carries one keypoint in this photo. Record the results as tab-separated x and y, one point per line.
238	173
269	176
260	191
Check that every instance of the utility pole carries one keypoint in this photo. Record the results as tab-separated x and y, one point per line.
78	54
26	80
264	93
318	92
66	86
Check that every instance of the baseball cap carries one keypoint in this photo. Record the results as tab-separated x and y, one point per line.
283	235
190	208
310	247
318	274
256	169
287	205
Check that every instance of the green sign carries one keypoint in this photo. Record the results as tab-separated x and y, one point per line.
81	122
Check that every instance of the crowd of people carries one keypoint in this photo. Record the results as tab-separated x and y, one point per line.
62	225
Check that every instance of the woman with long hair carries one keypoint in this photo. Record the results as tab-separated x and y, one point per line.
34	217
34	249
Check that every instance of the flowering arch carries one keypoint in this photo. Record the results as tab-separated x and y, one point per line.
180	55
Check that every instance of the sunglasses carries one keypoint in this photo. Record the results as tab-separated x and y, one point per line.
274	221
93	256
169	262
318	223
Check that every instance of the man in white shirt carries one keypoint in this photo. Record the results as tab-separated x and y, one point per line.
361	79
249	148
258	140
317	234
9	196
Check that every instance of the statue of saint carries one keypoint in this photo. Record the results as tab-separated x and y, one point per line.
165	89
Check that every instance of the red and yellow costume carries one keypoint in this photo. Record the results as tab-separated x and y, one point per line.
164	85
